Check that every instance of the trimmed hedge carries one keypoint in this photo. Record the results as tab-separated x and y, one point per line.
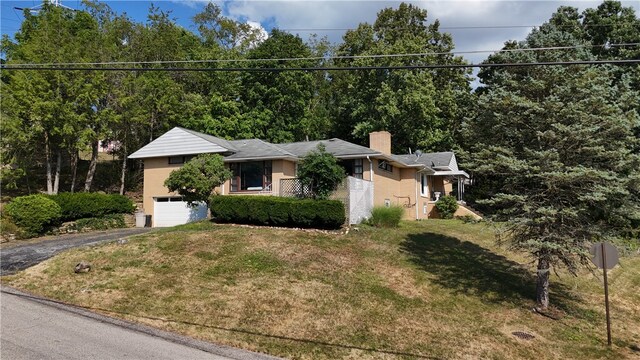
34	214
91	205
277	211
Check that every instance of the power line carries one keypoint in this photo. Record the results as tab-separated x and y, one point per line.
473	27
328	68
378	56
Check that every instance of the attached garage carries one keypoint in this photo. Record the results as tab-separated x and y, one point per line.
172	211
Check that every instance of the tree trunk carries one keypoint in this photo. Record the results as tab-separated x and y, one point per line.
74	169
124	168
92	166
542	286
56	181
47	156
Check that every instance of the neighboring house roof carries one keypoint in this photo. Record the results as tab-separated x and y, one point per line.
337	147
179	141
251	149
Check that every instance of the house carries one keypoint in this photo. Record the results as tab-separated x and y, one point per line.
413	181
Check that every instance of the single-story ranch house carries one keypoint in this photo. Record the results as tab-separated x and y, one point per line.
414	181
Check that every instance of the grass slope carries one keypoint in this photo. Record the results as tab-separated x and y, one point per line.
432	289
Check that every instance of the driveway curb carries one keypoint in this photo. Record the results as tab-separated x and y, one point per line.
220	350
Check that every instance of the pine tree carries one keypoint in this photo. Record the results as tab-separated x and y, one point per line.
560	141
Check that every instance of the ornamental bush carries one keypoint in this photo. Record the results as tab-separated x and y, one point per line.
91	205
34	214
447	206
387	217
277	211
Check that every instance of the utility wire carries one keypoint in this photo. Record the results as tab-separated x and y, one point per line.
318	57
325	68
468	27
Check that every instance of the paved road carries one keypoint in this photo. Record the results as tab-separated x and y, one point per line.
33	328
19	257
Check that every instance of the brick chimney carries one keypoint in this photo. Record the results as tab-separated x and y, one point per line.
380	141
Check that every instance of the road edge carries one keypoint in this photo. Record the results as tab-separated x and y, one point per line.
215	349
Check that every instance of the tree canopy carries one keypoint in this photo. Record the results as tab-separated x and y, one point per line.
196	180
564	162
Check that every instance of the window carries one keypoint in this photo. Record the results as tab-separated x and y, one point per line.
383	165
251	176
357	168
180	159
424	188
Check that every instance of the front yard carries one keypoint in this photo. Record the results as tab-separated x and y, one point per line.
432	289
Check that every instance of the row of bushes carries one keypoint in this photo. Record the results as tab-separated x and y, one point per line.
278	211
91	205
35	214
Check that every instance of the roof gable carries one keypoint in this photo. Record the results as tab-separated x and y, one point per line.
179	141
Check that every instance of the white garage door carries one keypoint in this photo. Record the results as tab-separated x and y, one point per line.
172	211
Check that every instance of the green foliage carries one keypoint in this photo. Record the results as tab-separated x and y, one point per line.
320	172
447	206
386	217
34	214
198	178
90	205
114	221
420	108
564	168
278	211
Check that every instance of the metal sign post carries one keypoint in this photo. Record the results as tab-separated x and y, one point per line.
605	256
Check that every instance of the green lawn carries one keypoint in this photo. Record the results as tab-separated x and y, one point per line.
431	289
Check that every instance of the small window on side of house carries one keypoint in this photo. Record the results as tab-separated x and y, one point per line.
176	159
357	168
423	185
383	165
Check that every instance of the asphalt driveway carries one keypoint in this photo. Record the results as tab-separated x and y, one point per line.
20	257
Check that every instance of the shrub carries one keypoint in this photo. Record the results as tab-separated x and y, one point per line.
91	205
447	206
382	216
277	211
114	221
320	171
34	214
198	177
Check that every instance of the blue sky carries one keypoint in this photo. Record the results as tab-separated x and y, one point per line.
295	15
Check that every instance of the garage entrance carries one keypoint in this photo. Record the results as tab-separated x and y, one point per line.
172	211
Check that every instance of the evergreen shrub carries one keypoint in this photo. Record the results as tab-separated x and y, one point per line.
91	205
277	211
447	206
387	217
34	214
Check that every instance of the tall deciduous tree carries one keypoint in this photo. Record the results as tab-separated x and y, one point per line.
560	140
419	107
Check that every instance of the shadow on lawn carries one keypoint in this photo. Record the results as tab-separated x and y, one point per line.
468	268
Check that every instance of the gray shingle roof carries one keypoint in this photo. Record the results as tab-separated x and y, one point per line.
256	149
428	159
179	141
339	148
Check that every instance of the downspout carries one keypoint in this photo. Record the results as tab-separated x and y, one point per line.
370	169
416	187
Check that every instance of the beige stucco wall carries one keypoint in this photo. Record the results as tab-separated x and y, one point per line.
399	187
156	170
